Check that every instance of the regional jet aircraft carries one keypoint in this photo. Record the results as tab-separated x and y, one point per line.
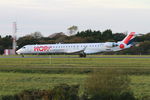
78	48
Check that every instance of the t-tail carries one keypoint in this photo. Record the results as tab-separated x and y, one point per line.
129	38
127	41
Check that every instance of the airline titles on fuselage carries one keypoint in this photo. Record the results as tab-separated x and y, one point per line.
48	48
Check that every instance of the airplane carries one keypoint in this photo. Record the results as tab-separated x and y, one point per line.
78	48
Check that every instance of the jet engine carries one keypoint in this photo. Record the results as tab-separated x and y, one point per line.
123	45
111	44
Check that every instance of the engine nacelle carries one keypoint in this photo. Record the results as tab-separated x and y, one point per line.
111	44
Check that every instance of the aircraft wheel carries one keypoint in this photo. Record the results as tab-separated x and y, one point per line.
83	55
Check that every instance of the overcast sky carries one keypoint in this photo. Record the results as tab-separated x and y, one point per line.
51	16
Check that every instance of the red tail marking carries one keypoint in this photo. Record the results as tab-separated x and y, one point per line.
121	46
129	37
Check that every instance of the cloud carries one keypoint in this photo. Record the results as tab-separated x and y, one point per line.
50	16
119	3
61	4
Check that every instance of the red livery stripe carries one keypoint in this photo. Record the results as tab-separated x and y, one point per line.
129	37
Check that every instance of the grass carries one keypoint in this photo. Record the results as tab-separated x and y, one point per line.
141	85
76	62
12	83
17	74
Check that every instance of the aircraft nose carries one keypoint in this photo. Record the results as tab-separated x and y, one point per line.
18	52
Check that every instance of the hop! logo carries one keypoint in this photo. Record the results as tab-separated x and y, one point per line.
41	48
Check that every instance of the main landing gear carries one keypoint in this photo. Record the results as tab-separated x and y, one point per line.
83	55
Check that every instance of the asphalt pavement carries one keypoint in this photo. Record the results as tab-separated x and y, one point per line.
65	56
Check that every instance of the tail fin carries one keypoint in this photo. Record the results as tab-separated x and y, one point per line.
129	38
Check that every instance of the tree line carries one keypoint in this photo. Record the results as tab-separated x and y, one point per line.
87	36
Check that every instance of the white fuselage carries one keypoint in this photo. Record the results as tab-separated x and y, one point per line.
87	48
79	48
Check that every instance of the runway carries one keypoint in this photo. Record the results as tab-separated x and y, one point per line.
73	57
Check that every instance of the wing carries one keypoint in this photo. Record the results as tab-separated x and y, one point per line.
76	51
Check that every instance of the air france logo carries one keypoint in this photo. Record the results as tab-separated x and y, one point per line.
41	48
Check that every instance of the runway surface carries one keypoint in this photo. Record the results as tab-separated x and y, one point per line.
68	57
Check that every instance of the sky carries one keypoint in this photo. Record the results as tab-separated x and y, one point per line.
52	16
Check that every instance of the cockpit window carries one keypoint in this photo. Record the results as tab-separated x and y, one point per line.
24	47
